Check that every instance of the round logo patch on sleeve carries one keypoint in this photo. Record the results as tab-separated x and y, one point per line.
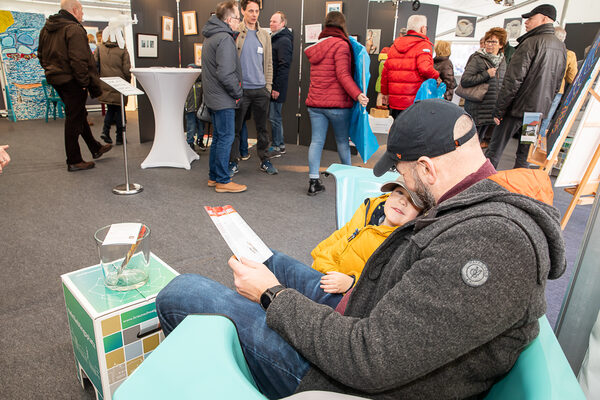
475	273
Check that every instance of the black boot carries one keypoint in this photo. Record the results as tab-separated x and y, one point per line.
315	186
106	137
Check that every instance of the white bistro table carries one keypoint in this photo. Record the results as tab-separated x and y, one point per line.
167	89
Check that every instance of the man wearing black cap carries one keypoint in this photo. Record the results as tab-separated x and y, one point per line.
532	79
443	307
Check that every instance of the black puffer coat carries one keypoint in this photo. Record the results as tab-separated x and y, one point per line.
534	74
475	74
443	65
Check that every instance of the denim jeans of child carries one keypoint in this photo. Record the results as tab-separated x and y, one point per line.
193	126
276	366
319	121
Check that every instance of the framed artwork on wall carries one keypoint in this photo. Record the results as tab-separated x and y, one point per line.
198	54
167	28
147	45
465	26
190	26
333	6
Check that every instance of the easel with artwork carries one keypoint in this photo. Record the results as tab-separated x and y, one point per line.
580	172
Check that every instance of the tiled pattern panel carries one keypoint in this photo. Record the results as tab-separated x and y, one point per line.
24	74
127	346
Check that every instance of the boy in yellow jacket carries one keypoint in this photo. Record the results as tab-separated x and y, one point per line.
343	255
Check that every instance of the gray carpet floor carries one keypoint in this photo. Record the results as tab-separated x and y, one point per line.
48	217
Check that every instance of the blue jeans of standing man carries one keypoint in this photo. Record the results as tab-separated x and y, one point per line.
193	126
319	121
276	366
223	134
276	123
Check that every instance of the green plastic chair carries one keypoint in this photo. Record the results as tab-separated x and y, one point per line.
202	357
52	100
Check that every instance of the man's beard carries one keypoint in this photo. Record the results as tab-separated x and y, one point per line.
423	192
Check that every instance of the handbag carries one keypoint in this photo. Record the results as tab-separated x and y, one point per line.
474	93
203	114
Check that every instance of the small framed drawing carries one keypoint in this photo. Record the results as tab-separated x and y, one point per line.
167	28
333	6
189	23
147	45
198	54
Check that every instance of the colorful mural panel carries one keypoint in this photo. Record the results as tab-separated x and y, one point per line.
19	33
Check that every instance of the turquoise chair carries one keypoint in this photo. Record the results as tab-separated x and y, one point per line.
52	100
202	357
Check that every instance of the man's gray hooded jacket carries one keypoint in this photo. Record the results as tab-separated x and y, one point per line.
443	307
221	69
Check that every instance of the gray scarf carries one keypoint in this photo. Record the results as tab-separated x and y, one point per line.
495	59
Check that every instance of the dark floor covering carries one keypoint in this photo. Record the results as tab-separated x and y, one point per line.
48	217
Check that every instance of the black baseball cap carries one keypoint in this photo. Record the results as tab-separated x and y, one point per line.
424	129
545	9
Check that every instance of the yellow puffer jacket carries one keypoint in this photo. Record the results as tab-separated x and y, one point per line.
348	249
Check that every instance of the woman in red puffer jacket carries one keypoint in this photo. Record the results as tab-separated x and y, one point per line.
331	94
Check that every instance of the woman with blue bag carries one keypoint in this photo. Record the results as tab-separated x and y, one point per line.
331	94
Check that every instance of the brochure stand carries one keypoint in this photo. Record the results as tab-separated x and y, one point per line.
125	89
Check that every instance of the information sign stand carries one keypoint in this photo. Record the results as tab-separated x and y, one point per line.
125	89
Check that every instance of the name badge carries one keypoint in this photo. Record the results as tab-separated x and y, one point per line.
259	50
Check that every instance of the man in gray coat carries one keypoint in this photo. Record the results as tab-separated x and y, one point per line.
531	82
443	307
222	83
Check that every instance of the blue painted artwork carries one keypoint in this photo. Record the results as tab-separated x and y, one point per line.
23	71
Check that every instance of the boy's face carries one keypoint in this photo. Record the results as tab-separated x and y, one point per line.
398	208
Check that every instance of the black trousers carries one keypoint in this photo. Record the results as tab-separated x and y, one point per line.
74	97
257	101
502	134
394	113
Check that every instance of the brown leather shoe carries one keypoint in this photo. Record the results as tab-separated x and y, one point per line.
102	150
212	183
230	187
80	166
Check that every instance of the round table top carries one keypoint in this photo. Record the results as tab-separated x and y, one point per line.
167	70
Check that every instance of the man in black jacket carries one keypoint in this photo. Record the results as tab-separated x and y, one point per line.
282	43
532	79
69	66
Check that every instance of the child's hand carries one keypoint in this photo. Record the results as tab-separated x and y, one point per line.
336	282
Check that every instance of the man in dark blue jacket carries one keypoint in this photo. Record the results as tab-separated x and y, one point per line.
282	43
222	84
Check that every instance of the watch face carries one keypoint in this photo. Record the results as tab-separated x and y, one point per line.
265	300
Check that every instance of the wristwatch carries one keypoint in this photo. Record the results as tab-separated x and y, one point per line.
267	297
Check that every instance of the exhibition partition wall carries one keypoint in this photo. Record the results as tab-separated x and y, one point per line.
361	15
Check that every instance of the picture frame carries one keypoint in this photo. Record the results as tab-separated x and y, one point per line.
190	26
147	45
465	26
334	6
198	54
167	28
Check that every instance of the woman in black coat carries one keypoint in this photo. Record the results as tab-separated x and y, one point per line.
486	65
443	65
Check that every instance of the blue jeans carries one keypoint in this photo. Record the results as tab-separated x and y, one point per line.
276	366
193	126
223	134
548	118
319	121
113	114
244	141
276	123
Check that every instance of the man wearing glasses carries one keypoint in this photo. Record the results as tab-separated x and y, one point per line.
222	84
